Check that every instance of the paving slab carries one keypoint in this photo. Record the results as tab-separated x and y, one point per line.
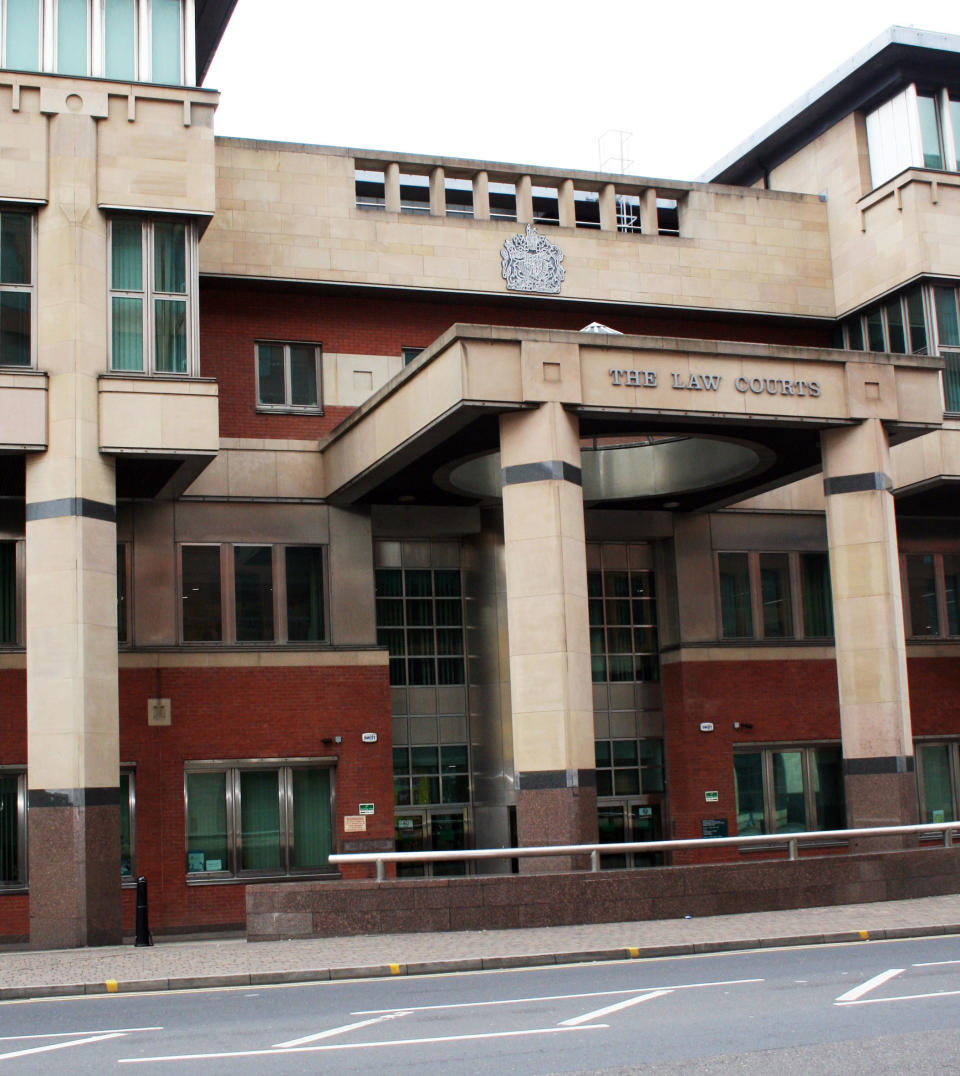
210	963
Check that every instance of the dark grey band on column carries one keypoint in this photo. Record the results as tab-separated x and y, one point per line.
542	472
73	797
537	780
854	767
72	506
857	483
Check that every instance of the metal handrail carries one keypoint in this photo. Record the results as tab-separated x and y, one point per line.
595	851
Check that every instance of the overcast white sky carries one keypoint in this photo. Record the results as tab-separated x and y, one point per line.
538	83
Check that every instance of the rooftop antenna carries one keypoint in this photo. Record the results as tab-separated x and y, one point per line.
612	149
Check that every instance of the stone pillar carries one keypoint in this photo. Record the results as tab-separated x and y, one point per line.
524	199
550	685
391	188
566	207
608	208
71	578
438	193
649	214
481	196
879	778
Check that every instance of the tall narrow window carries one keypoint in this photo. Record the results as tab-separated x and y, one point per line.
936	766
775	595
13	829
151	268
917	323
253	589
16	288
922	595
735	601
120	39
21	35
816	599
72	29
128	800
930	132
166	41
200	593
304	578
123	609
8	594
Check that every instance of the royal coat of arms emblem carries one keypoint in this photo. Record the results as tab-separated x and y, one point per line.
532	263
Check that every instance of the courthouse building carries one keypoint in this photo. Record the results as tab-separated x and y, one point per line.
353	500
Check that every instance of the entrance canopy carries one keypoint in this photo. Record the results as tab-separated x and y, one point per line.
665	423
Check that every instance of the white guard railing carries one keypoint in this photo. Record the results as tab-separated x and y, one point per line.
595	851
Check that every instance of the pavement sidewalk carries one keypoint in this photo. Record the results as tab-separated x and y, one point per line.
180	965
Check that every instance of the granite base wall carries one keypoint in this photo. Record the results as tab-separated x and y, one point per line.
491	902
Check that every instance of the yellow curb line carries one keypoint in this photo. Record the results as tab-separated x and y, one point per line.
111	985
394	969
864	934
632	952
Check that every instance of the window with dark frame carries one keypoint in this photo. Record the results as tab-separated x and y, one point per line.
930	586
254	817
622	609
774	595
16	289
228	593
289	377
788	789
13	828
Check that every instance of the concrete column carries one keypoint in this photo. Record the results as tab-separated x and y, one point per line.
438	193
524	200
567	212
481	196
550	684
608	208
71	585
649	218
879	778
391	188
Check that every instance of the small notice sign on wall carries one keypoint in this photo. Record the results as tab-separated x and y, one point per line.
355	823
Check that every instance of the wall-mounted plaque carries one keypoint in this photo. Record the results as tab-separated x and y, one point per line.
532	263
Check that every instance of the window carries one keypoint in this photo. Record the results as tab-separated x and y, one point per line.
13	829
629	767
420	620
668	216
153	269
930	584
774	595
912	130
897	325
16	289
623	626
937	780
128	829
409	354
788	789
11	593
123	591
586	208
252	593
258	817
288	377
948	344
119	39
369	188
431	774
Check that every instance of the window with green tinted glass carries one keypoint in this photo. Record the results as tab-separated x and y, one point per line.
166	47
252	818
120	39
72	37
624	640
431	774
937	778
930	131
21	35
930	594
816	596
629	767
420	620
788	789
151	295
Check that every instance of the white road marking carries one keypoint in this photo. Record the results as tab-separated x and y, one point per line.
61	1045
329	1034
935	963
871	984
555	997
576	1021
393	1043
71	1034
903	997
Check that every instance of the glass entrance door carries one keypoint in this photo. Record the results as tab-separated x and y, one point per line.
440	830
626	821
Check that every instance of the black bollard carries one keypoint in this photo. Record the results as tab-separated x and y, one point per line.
143	929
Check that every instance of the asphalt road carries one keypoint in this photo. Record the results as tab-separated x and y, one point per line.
874	1007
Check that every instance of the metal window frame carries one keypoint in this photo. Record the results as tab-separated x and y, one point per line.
130	772
953	759
940	596
127	568
288	407
808	761
25	289
603	572
22	880
232	769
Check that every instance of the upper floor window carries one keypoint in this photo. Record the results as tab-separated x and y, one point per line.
586	209
458	195
252	593
129	40
16	289
153	266
288	377
622	609
11	593
774	595
409	354
503	201
930	585
915	129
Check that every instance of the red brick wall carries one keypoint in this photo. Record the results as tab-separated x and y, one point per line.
245	713
232	319
782	700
